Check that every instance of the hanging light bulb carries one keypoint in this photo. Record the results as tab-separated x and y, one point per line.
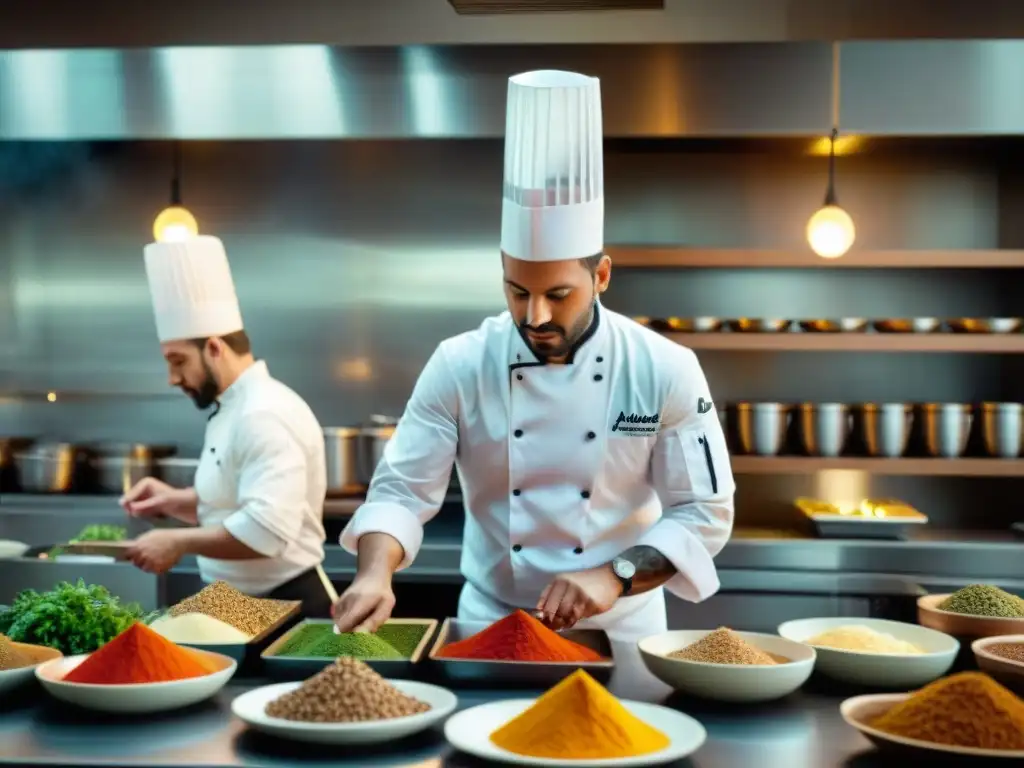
175	223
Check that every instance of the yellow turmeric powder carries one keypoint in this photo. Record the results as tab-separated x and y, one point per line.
964	710
578	720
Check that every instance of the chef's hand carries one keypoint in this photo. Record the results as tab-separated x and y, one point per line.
151	498
579	595
156	551
365	605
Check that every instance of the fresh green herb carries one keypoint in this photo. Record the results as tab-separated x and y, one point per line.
73	618
95	532
391	641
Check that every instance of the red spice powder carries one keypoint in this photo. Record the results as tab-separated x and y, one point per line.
519	637
139	655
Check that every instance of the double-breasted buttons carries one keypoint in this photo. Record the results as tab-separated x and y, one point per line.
578	551
516	547
585	494
516	491
518	433
598	377
591	435
519	376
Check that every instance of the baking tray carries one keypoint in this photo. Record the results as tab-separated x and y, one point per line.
875	519
302	667
531	674
248	654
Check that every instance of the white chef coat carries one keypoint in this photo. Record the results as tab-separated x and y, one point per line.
562	467
263	476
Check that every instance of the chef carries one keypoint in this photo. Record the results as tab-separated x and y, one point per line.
254	517
590	454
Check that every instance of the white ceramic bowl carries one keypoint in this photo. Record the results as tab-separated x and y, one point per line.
142	698
1008	672
861	710
9	548
470	732
251	706
728	682
903	671
11	679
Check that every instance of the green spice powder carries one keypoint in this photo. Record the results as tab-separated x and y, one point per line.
392	641
984	600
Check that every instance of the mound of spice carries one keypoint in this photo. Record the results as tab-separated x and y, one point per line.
251	615
964	710
519	637
1008	651
320	642
984	600
347	691
11	657
864	640
723	646
139	655
198	629
579	720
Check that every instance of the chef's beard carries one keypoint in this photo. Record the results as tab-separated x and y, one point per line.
207	393
559	348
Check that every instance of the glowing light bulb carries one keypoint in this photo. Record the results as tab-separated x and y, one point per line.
174	224
830	232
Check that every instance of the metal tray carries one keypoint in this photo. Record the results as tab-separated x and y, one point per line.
848	527
301	667
531	674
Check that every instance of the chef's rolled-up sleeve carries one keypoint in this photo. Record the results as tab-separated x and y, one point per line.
272	484
692	475
411	480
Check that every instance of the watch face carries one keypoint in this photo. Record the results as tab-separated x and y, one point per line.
624	569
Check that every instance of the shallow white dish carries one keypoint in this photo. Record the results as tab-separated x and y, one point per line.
470	731
143	698
12	679
728	682
886	670
10	548
860	710
250	708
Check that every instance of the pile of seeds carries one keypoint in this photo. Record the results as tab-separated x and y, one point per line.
1008	651
11	657
723	646
347	691
251	615
391	641
984	600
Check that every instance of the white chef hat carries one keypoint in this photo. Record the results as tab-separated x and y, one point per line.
192	290
553	200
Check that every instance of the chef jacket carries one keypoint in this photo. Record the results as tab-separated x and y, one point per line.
562	467
263	476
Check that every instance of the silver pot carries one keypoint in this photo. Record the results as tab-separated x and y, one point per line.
946	428
823	428
116	467
51	468
353	454
178	473
760	428
1002	429
883	428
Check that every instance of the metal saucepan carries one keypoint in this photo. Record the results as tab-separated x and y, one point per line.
9	448
946	428
984	324
353	454
178	473
758	325
684	324
907	325
1002	429
883	428
52	468
758	428
823	427
841	325
116	467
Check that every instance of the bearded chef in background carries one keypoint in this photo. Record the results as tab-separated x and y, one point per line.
591	458
255	514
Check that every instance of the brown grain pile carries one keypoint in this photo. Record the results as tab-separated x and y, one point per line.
1009	651
348	691
220	600
11	657
723	646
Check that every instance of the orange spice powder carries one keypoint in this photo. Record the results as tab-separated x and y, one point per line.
139	655
519	637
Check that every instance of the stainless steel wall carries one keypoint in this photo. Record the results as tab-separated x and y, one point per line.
353	259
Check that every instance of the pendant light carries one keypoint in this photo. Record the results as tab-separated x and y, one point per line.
175	223
830	231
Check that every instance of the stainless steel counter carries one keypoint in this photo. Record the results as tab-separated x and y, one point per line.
803	731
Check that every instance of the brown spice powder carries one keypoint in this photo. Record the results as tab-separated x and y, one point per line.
723	646
1009	651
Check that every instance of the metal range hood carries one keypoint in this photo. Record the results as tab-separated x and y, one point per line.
896	88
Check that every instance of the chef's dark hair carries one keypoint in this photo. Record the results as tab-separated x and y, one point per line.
591	262
238	342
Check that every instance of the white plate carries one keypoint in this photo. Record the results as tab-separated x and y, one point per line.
470	731
728	682
10	548
860	709
11	679
885	670
136	699
251	706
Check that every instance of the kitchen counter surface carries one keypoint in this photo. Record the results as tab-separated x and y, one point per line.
804	730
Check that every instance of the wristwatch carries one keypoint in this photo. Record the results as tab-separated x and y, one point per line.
624	571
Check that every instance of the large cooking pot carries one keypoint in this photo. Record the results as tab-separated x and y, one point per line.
52	468
116	467
353	454
9	448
